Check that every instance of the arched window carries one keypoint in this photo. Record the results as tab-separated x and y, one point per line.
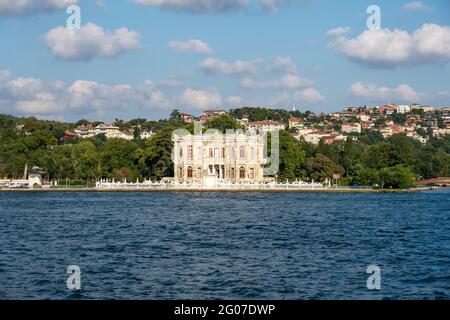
199	172
252	173
190	152
190	173
242	173
233	173
242	152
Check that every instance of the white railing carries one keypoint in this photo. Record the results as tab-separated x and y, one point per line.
11	184
174	185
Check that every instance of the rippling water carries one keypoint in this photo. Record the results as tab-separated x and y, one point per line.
225	246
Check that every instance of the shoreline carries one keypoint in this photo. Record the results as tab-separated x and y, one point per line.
147	190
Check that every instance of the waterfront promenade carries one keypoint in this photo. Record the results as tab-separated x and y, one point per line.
174	186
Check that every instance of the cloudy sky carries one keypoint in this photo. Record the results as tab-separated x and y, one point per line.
143	58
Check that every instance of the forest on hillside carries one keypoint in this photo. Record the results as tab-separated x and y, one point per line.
396	162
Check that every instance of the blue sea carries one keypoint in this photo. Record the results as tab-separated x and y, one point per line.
225	245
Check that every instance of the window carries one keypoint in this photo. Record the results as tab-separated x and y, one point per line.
252	152
242	173
233	173
211	153
242	152
190	152
199	172
231	154
189	173
252	173
216	153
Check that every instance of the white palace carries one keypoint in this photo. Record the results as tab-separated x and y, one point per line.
212	157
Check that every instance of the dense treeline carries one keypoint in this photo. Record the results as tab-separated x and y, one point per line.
396	162
37	142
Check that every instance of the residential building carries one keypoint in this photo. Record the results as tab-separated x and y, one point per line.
211	114
295	123
85	131
403	108
351	127
388	109
146	134
187	118
266	126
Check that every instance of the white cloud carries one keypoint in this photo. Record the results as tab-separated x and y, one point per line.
85	98
337	32
239	67
25	87
234	101
24	7
89	42
196	46
4	75
43	103
372	92
150	95
200	99
29	95
285	65
289	81
391	48
416	6
84	94
90	94
32	96
281	99
309	96
271	5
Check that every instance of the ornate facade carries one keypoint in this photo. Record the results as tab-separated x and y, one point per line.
207	157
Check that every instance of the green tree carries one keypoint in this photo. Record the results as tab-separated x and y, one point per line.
175	117
59	163
85	160
398	177
158	154
117	154
222	123
292	158
367	176
321	168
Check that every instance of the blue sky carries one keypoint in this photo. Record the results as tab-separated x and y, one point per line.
267	53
